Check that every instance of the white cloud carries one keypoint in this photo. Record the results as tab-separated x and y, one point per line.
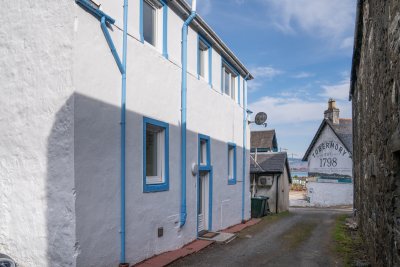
283	110
265	72
253	86
347	42
291	111
204	7
326	18
302	75
338	91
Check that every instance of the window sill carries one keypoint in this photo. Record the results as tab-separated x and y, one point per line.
149	188
231	181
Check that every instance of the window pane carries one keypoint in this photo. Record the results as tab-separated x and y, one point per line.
226	81
230	163
148	23
201	59
203	152
233	88
151	153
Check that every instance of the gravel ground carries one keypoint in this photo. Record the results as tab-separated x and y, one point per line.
299	238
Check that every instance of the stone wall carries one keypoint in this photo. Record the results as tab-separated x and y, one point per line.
375	94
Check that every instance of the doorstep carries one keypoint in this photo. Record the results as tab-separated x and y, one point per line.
197	245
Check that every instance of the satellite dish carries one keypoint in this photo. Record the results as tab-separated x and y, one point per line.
261	118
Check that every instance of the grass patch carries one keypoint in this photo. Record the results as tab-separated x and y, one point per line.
347	242
298	234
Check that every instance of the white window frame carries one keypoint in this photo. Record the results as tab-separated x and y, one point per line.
156	27
159	181
160	177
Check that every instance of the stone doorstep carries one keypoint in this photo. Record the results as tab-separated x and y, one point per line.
195	246
220	237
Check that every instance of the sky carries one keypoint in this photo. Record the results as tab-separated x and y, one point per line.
299	52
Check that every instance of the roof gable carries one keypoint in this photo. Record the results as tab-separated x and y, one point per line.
271	162
263	139
343	131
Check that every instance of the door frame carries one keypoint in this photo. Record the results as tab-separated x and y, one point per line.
204	168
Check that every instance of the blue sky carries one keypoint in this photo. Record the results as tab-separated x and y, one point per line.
299	52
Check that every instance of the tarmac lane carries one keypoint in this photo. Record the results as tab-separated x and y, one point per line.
302	237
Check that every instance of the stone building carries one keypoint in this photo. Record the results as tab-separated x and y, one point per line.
123	131
375	95
329	158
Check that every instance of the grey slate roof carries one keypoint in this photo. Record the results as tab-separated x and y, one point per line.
270	162
263	139
343	130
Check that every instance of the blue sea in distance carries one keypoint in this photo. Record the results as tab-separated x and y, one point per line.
299	174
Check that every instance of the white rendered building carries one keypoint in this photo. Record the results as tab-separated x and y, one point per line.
110	151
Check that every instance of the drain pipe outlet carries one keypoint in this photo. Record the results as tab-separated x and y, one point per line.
185	26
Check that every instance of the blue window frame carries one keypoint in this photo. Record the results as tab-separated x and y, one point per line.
231	163
204	154
204	59
148	23
155	155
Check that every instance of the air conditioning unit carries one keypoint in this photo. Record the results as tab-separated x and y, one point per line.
265	180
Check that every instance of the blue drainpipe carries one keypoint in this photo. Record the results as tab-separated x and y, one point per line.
244	142
104	19
123	131
183	116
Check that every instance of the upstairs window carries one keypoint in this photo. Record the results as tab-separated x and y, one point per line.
204	59
149	23
231	163
229	80
155	145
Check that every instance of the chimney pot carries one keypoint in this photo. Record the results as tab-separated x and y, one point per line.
332	113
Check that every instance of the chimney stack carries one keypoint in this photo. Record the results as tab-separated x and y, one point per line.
332	113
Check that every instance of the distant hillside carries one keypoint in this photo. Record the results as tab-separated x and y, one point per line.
298	165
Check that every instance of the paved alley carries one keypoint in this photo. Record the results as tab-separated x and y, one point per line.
300	238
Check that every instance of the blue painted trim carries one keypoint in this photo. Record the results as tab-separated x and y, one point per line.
165	28
210	198
244	141
233	180
224	61
123	131
111	45
95	11
205	168
183	213
147	188
207	139
141	36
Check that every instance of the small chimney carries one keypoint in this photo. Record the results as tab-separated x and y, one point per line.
332	113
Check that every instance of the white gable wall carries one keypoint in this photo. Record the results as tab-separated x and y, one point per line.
329	156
